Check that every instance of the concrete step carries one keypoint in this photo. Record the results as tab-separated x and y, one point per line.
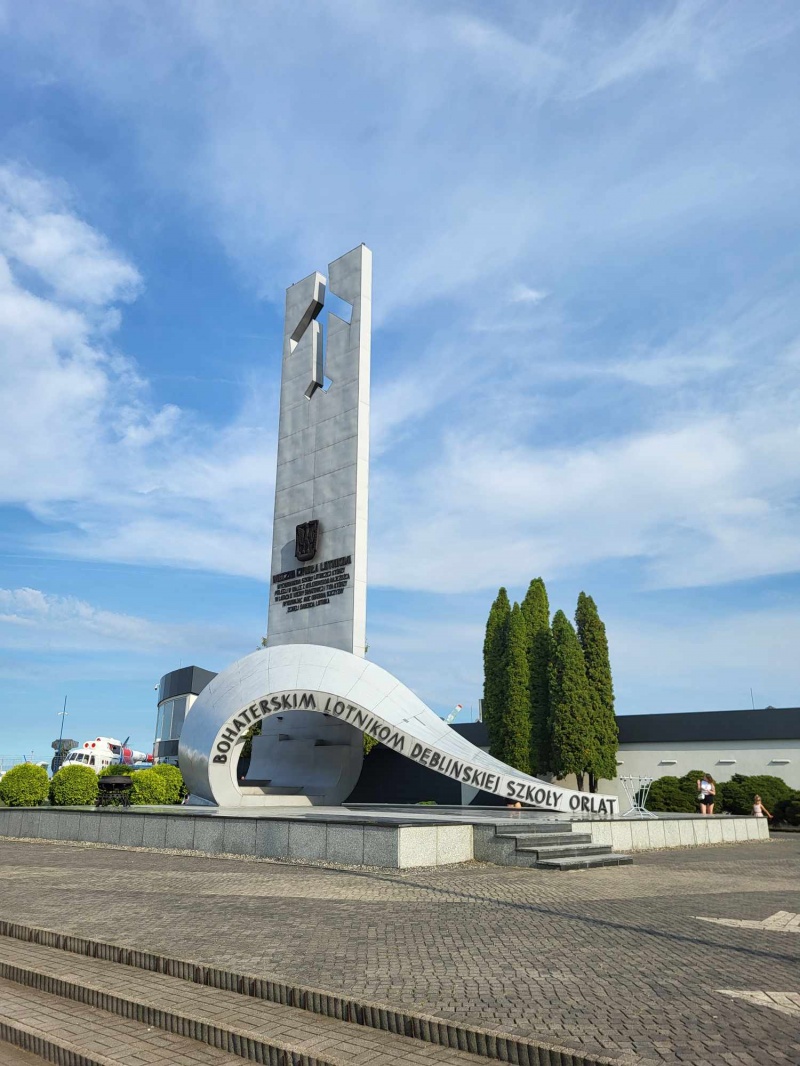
514	828
566	850
533	840
239	1025
54	1029
588	862
257	1018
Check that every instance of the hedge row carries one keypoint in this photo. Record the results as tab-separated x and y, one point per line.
679	795
27	785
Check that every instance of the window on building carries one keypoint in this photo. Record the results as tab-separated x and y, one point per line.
178	715
170	718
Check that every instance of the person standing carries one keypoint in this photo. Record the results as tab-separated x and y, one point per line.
706	791
759	810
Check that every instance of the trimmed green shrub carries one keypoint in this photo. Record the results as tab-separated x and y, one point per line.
173	781
25	785
670	794
737	794
787	810
74	786
675	795
148	788
115	770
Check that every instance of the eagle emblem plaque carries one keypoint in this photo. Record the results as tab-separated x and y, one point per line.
306	537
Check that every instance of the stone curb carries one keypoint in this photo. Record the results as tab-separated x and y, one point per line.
488	1043
60	1054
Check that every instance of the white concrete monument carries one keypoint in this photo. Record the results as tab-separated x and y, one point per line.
319	534
311	689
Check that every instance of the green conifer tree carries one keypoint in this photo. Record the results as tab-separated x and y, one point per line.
536	611
494	657
514	745
572	738
593	641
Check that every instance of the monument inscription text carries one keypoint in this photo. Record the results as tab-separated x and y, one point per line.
312	585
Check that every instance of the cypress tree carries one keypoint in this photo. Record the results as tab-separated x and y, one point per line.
494	657
572	739
515	725
593	641
536	611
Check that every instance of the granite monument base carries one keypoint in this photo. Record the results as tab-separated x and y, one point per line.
389	838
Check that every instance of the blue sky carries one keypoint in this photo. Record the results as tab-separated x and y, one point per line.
586	354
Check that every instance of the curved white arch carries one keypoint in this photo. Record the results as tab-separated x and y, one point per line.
308	677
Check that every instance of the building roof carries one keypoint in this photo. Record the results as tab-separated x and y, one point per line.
771	723
188	680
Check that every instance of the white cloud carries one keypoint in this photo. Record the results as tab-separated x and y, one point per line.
470	152
35	621
440	129
38	232
82	444
706	496
524	294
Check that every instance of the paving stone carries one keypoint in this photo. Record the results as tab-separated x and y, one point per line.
599	961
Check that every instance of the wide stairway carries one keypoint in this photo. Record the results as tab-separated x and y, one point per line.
80	1002
543	846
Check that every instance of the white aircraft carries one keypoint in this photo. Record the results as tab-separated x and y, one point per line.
102	752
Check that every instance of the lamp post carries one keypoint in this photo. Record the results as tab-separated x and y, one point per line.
60	753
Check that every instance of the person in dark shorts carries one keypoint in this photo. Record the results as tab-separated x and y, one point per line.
706	792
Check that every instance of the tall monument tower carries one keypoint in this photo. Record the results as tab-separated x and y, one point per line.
318	582
311	691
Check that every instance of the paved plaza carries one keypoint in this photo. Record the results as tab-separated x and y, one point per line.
611	961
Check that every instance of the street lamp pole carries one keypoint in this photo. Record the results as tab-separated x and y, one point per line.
59	753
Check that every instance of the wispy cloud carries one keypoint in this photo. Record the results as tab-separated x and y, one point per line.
33	620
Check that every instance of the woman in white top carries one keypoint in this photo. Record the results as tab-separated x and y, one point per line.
759	810
706	791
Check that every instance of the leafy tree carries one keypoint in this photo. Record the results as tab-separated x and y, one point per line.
737	794
494	670
536	612
369	743
173	781
147	788
247	747
572	738
672	795
25	785
514	746
594	643
74	786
